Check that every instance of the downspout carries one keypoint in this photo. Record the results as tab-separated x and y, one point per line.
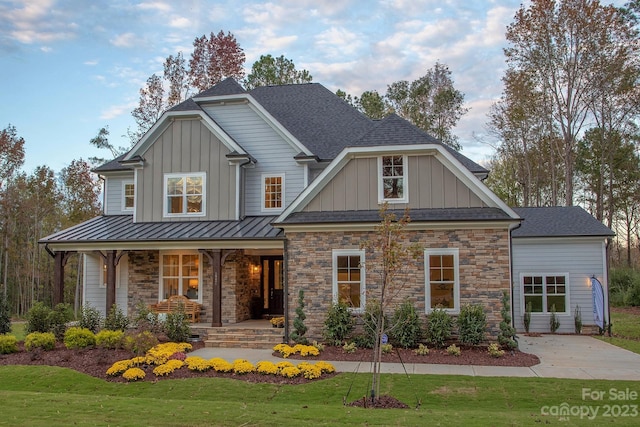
511	288
606	273
285	259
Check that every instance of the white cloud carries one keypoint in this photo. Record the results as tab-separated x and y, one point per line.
117	110
124	40
156	6
180	22
338	42
91	62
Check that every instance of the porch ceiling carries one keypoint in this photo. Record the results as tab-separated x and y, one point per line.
119	231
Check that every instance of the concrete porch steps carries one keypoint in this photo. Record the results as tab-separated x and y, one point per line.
243	337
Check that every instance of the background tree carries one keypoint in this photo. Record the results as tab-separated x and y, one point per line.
430	102
150	107
175	72
268	71
101	141
566	46
214	59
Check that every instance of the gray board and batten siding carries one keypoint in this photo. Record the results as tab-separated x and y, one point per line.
430	184
113	188
273	154
186	146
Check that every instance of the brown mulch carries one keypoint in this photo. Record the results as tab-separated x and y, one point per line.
96	361
470	356
628	310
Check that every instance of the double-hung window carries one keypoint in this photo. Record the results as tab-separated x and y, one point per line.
272	192
181	275
184	194
392	179
442	279
544	291
128	195
349	278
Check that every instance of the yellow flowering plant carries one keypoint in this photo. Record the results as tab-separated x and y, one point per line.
242	366
119	367
197	363
266	367
220	365
168	368
133	374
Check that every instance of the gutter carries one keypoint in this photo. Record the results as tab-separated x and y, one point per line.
511	288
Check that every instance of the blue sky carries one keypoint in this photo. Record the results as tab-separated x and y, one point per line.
70	67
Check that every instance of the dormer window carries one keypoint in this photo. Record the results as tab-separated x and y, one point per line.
392	182
272	192
184	194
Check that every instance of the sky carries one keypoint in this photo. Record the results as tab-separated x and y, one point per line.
70	67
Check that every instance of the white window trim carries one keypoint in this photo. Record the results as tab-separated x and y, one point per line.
567	287
161	276
456	285
262	192
124	198
405	181
165	205
335	253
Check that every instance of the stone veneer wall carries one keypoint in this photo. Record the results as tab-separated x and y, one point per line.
238	284
483	265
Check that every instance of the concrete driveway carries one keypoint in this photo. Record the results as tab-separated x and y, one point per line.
579	356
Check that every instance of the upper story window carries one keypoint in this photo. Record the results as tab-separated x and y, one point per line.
128	195
442	279
392	179
184	194
272	192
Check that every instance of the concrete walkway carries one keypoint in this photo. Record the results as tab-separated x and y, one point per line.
561	356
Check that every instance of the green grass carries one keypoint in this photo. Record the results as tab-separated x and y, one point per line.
626	331
44	396
18	329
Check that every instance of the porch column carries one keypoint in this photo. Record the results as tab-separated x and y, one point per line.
58	276
215	257
110	261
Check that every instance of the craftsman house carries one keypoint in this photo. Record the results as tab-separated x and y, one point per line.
237	200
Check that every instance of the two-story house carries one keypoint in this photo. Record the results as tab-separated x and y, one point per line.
234	197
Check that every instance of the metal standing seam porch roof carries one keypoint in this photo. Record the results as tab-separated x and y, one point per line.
122	229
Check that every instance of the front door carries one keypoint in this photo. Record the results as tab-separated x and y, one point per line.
272	284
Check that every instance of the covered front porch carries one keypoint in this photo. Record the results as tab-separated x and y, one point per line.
234	269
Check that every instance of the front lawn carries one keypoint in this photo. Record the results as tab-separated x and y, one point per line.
44	396
625	329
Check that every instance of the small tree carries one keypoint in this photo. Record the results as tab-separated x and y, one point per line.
5	315
338	324
298	323
577	320
389	256
554	323
507	334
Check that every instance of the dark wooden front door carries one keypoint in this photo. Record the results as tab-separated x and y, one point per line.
272	284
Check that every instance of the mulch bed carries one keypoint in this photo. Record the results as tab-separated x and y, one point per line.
477	356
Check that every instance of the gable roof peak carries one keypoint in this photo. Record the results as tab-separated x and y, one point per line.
228	86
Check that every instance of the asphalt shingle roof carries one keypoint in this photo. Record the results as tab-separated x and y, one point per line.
121	228
113	166
558	221
319	119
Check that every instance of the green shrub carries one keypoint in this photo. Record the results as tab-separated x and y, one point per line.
577	320
76	338
372	313
494	350
472	324
38	318
624	286
141	342
527	317
116	320
43	340
58	319
439	327
554	322
506	336
91	318
339	324
299	328
454	350
406	327
8	344
146	320
5	315
109	339
177	326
